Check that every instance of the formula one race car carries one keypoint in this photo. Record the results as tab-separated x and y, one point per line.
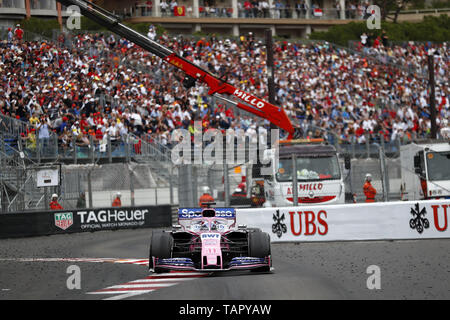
206	239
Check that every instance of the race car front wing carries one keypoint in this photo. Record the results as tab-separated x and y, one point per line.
236	263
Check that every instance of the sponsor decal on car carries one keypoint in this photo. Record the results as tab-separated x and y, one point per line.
210	236
190	213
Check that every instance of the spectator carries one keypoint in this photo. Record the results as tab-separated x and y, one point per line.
43	129
364	39
247	9
279	8
18	33
369	191
300	9
149	5
10	36
117	202
384	38
355	96
173	4
164	7
265	9
81	202
151	32
30	142
205	198
54	204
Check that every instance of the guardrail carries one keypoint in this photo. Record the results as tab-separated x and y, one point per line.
140	11
418	11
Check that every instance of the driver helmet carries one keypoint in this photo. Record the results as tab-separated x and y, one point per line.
203	225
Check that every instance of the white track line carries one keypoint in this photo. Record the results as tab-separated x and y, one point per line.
131	261
126	295
138	285
160	280
123	291
132	288
148	284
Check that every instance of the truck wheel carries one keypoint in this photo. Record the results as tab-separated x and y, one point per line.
259	247
160	247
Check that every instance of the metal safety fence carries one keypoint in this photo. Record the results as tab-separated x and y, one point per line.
233	185
86	186
151	178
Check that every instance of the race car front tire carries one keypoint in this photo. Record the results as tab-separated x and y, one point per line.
259	247
160	247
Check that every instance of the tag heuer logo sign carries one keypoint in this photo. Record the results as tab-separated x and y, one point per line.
63	220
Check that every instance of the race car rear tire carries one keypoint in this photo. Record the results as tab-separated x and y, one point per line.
160	247
259	247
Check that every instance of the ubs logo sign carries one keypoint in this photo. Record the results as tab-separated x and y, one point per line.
279	227
418	221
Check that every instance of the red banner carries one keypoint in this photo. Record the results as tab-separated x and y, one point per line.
179	11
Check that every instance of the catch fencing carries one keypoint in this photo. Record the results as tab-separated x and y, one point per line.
225	182
85	186
138	185
150	177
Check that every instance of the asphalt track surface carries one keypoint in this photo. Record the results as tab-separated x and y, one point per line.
417	269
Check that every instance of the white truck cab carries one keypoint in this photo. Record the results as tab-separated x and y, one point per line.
319	177
425	170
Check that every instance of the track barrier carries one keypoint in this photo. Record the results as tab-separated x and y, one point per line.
70	221
352	222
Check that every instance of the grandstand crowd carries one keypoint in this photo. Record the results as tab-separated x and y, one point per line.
104	86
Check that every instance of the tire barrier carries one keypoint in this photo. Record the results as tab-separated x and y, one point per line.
352	222
13	225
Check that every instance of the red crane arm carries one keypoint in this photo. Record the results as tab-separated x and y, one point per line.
249	103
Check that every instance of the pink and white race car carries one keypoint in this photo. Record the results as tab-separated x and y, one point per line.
207	239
